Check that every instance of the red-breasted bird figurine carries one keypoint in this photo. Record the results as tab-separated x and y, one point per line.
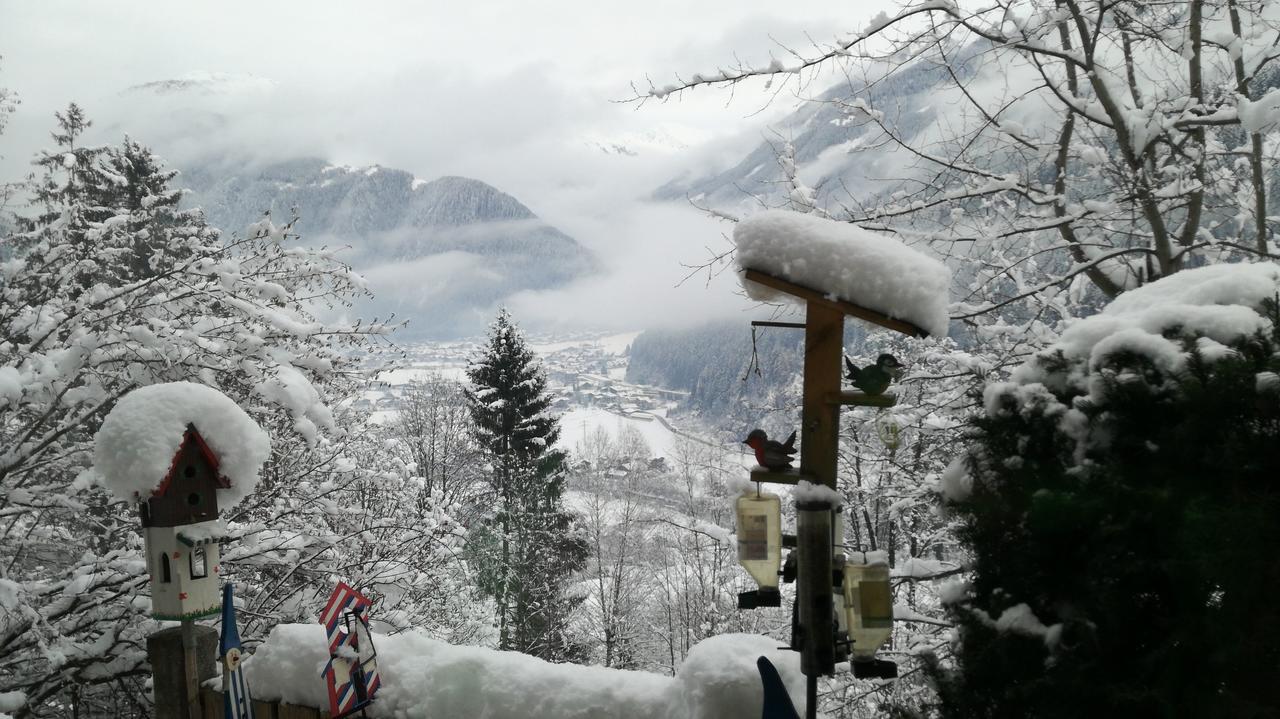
769	453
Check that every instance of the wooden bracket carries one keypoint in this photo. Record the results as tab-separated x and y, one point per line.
862	399
779	476
785	325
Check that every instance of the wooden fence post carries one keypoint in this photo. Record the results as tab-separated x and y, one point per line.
169	669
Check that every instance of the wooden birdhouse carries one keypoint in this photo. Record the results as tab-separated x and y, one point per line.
181	532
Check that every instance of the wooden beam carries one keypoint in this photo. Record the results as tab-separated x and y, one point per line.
862	399
813	296
820	428
787	325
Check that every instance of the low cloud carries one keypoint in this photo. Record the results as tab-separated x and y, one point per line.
520	96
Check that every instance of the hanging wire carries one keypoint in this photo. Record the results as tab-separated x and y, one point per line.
754	364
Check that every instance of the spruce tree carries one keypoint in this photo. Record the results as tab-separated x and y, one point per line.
530	549
1123	518
155	232
72	196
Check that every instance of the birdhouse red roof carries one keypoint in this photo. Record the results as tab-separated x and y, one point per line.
188	494
140	448
192	442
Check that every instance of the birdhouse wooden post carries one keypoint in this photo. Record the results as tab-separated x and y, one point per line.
181	531
149	451
816	593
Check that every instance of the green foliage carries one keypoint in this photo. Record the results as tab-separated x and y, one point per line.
1135	515
529	549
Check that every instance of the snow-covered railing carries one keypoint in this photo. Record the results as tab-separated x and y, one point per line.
423	677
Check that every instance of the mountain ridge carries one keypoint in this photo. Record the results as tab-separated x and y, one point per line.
443	252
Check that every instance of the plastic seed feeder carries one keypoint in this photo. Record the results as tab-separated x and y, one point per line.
759	516
868	605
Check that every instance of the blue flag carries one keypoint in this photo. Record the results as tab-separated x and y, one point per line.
235	690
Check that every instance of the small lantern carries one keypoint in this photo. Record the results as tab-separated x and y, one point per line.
181	532
760	546
868	606
889	430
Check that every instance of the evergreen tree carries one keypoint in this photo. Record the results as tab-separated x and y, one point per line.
72	195
139	189
1122	517
531	548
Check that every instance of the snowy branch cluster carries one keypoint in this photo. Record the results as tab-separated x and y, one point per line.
110	287
1055	153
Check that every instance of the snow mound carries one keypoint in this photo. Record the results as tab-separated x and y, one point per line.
1218	302
423	677
136	443
845	262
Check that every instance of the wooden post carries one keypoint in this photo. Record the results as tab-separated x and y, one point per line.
819	449
170	660
189	663
823	354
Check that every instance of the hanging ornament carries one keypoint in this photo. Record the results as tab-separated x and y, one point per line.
889	430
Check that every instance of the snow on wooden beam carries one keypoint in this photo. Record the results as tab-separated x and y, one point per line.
809	294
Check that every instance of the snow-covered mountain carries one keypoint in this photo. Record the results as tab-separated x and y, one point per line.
824	133
657	141
439	253
204	83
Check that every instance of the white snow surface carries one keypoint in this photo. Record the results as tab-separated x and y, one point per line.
12	701
291	389
578	424
1217	302
806	491
956	484
136	443
845	262
423	677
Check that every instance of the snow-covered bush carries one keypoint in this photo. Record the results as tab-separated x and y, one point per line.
1119	499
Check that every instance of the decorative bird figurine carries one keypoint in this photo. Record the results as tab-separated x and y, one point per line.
769	453
874	379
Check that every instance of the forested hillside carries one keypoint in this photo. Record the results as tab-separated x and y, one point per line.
734	382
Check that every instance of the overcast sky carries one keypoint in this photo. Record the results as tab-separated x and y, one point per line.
512	93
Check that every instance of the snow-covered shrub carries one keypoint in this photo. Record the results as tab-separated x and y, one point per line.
1121	508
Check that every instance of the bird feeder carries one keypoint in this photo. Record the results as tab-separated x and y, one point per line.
759	516
868	606
181	532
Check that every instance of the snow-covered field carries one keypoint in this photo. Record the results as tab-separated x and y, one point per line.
423	372
579	423
615	344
